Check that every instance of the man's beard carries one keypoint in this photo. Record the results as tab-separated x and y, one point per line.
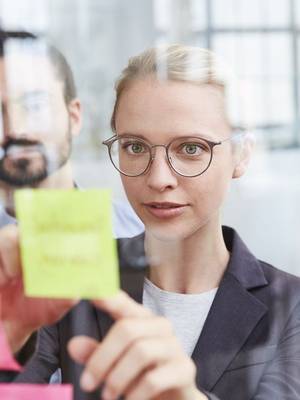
23	171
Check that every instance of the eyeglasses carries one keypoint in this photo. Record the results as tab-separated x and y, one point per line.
187	156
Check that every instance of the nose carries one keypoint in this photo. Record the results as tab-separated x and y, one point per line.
5	122
160	176
12	125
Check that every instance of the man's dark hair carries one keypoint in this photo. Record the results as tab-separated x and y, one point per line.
6	35
60	65
63	72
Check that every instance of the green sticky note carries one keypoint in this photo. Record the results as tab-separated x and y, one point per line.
67	245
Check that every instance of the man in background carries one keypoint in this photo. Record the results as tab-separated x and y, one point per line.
41	115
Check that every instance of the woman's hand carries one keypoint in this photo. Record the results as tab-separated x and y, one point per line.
140	358
19	314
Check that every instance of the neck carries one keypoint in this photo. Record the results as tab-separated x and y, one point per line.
60	179
192	265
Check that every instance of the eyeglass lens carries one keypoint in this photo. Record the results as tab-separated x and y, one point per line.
188	156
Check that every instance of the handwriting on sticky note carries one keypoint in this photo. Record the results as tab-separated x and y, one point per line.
35	392
67	247
7	361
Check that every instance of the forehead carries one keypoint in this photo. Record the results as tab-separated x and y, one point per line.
26	71
174	108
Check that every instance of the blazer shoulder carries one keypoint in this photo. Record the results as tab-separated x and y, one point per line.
277	275
282	286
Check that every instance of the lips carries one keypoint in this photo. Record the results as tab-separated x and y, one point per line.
165	210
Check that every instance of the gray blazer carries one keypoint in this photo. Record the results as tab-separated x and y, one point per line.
249	347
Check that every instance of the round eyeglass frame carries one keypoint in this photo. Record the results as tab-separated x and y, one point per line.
211	144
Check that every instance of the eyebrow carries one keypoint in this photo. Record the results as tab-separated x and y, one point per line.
132	135
34	94
195	134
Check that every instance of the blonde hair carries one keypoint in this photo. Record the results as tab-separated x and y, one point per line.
174	62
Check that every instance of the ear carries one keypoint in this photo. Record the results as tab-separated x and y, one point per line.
75	113
243	156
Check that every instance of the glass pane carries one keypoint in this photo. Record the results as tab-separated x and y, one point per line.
297	12
198	14
256	54
254	58
167	11
108	30
16	14
254	13
270	192
51	138
297	79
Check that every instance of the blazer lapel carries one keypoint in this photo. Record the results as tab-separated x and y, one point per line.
233	316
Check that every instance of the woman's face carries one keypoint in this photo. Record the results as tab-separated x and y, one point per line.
171	206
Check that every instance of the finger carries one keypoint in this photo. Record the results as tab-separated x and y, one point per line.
4	279
81	348
143	354
118	340
122	306
10	259
172	376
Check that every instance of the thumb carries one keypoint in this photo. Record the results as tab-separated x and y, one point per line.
80	348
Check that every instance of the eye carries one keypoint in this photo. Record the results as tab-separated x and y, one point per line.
191	149
134	147
35	104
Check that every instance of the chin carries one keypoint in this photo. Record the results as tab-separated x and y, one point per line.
177	231
168	233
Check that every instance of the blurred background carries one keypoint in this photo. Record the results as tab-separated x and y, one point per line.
259	39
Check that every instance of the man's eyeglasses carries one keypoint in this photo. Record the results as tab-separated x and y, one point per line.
187	156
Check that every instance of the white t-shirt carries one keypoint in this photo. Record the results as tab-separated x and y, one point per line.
186	312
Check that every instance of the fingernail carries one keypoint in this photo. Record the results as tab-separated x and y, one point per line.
107	394
87	382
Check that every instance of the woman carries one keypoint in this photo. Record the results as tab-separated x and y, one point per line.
234	329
